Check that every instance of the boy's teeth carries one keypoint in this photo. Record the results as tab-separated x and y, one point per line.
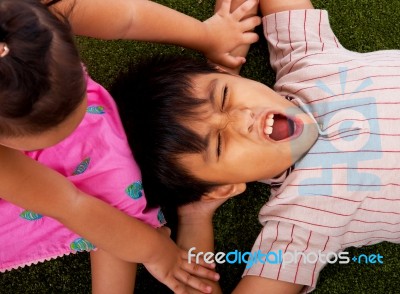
268	124
268	130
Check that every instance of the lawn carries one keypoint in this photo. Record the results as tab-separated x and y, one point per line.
360	25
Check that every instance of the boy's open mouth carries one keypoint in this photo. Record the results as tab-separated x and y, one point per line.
279	127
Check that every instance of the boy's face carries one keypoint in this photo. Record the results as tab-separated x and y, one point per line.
252	132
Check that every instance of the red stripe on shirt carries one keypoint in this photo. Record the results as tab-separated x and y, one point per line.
298	264
272	244
280	266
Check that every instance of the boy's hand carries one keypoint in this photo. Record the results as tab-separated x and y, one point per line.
171	267
228	30
199	211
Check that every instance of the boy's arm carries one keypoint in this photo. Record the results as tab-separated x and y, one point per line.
149	21
259	285
111	274
196	230
32	186
273	6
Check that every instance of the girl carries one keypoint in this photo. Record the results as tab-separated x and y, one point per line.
52	111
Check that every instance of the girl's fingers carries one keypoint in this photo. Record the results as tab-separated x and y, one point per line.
250	23
198	261
165	231
194	282
249	38
200	271
225	7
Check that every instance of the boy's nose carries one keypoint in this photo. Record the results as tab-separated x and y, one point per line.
242	120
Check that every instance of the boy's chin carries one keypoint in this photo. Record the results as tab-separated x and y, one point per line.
302	144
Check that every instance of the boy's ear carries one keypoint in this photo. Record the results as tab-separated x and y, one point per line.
232	71
223	69
225	191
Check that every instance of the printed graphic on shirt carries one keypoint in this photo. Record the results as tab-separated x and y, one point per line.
349	135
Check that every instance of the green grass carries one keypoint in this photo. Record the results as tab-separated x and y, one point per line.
361	25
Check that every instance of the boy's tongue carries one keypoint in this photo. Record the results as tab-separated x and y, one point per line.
283	128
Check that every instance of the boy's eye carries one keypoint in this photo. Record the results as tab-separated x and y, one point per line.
223	102
224	96
219	145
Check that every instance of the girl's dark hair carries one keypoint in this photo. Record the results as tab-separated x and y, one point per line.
154	100
41	78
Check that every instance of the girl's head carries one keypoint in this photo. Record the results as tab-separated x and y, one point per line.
42	84
198	131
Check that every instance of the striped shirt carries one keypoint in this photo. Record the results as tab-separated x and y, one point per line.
345	191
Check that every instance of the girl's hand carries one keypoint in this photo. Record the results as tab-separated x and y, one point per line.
228	30
171	267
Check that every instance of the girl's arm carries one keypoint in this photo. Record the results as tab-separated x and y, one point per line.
148	21
242	49
26	183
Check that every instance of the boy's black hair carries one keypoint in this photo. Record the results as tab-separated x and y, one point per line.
154	98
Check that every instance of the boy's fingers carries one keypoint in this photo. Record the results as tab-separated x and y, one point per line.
232	61
244	9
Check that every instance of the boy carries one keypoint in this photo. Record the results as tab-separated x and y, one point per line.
205	134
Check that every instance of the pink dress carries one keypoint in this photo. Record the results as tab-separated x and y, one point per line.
98	160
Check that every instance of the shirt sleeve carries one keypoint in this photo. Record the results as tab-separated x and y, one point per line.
287	252
295	34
